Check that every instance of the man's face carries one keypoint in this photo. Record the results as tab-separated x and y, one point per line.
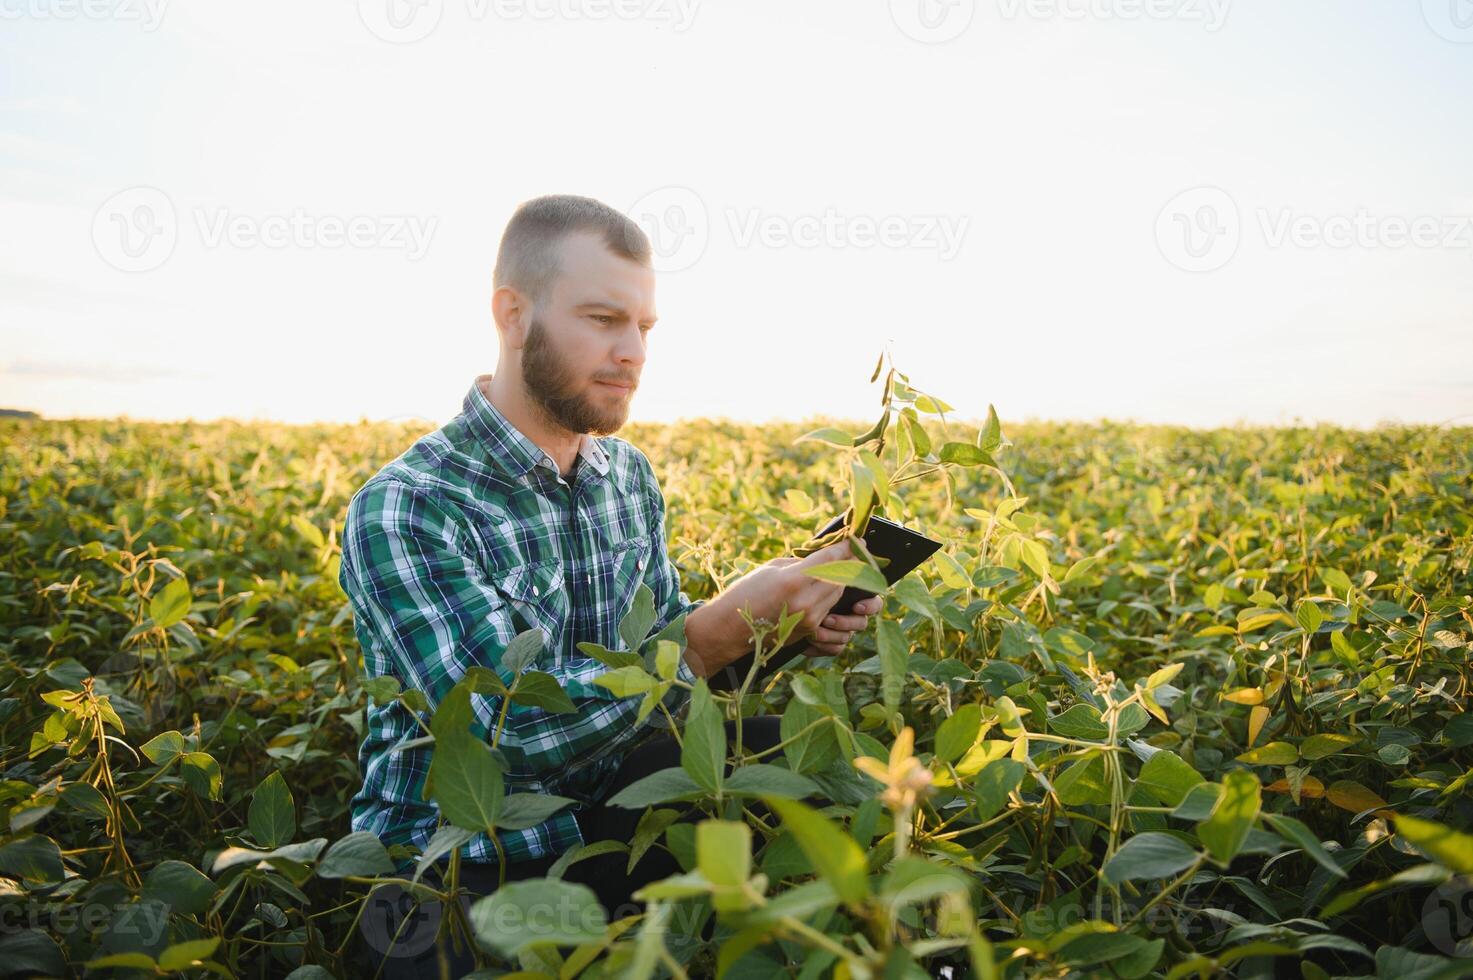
585	346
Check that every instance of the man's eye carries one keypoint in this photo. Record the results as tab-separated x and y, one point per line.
603	318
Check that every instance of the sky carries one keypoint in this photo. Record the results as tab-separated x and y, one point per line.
1196	212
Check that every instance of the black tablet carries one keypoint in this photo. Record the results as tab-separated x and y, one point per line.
904	548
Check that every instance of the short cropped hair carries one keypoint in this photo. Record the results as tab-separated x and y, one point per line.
527	259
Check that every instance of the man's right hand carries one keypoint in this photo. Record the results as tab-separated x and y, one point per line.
720	635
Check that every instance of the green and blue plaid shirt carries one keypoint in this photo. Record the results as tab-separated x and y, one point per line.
468	538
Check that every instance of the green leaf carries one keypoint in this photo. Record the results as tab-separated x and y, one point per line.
1167	779
958	733
663	786
894	660
1322	746
1226	828
1083	782
522	810
31	952
541	690
834	854
182	887
272	818
521	915
724	858
965	454
992	786
1309	617
35	858
1080	721
703	754
202	774
626	682
180	955
170	605
382	689
1302	837
163	747
760	779
635	625
467	783
1448	847
667	659
912	880
850	572
613	659
520	653
360	853
1149	856
830	435
1272	754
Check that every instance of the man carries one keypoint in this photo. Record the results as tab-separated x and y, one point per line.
517	515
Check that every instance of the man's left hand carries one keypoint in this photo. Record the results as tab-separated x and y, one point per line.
837	628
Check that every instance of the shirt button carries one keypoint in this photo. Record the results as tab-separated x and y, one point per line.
536	590
639	564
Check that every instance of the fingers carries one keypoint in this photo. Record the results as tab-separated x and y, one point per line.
851	624
870	606
824	636
837	551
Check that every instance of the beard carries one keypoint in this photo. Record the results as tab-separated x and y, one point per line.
554	389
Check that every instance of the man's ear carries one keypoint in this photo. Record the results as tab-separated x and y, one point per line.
513	315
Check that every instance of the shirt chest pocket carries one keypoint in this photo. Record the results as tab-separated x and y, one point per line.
538	598
626	565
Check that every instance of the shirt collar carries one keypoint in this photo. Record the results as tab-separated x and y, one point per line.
507	446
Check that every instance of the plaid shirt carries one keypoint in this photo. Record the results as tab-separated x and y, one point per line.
465	540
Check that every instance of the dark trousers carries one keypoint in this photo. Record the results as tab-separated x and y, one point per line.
410	949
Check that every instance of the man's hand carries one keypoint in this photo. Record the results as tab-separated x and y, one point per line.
720	636
836	630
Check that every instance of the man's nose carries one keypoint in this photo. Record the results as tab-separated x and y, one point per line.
630	350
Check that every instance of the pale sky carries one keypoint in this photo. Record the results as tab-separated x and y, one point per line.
1186	211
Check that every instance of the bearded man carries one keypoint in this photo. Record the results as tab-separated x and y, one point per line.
526	512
